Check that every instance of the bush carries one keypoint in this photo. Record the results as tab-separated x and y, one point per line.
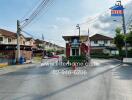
99	55
123	54
64	59
104	56
58	52
78	59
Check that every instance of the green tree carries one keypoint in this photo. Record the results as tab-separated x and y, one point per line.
118	30
129	38
119	40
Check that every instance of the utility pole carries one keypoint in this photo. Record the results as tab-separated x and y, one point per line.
18	45
118	10
124	29
88	44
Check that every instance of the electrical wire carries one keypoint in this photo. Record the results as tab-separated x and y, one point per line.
129	22
43	12
42	5
30	10
28	33
35	13
94	19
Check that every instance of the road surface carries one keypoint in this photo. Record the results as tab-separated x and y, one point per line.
106	80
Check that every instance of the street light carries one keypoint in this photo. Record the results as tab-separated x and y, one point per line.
78	27
18	33
24	20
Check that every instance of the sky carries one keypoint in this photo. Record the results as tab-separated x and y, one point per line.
60	19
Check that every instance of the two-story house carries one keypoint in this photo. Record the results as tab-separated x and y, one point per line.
7	37
30	41
102	44
99	40
8	46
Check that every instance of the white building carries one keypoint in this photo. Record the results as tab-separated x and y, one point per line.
102	44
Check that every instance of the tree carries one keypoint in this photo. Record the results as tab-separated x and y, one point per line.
129	38
119	40
118	30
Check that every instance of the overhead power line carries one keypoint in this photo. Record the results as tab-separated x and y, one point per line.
28	33
129	22
35	13
94	19
42	6
31	9
49	5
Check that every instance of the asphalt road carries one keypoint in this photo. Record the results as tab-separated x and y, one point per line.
106	80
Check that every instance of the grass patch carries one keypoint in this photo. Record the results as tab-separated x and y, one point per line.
37	59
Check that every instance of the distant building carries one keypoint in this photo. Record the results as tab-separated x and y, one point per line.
47	45
103	44
99	40
30	41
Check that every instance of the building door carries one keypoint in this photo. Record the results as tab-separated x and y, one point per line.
75	52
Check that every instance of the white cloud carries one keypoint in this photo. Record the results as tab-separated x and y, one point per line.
103	23
63	19
98	23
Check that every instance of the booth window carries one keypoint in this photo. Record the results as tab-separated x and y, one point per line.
75	52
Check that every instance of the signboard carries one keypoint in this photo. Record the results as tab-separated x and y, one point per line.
75	43
117	10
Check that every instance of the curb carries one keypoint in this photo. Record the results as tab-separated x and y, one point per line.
2	65
13	68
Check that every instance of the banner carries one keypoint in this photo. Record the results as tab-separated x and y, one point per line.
117	10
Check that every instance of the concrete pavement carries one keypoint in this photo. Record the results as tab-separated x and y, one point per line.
107	80
13	68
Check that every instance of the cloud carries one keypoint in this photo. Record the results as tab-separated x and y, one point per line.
63	19
103	23
97	23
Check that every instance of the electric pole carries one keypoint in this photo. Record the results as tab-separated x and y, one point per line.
118	10
18	45
88	44
124	29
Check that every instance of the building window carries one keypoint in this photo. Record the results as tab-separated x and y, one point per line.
105	42
9	40
101	44
95	42
23	42
75	52
1	38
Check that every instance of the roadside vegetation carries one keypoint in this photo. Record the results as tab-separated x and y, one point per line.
120	44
